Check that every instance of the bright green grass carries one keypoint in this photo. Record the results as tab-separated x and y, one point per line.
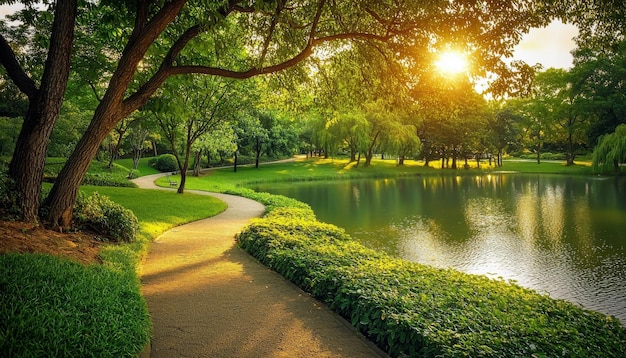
53	307
50	306
547	167
300	170
337	169
158	212
143	168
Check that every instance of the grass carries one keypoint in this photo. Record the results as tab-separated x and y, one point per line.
158	213
143	168
339	169
50	306
547	167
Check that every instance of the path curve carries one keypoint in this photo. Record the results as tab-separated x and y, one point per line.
209	298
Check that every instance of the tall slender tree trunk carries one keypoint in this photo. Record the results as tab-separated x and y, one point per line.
257	152
29	156
183	170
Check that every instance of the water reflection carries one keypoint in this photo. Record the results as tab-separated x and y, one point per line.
559	235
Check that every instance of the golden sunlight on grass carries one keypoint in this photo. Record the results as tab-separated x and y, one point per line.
451	62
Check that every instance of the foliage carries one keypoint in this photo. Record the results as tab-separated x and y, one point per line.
8	196
598	79
98	173
166	163
53	307
410	309
65	309
144	167
611	151
135	49
100	214
9	131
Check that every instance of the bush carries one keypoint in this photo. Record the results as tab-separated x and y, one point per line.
8	196
105	179
100	214
552	156
166	163
409	309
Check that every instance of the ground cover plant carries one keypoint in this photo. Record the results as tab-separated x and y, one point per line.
406	308
409	309
51	306
98	173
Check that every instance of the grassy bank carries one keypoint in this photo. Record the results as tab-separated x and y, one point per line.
409	309
406	308
50	306
340	169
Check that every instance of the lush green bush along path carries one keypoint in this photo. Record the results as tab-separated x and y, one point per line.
407	308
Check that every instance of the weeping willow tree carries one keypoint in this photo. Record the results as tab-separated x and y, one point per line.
610	151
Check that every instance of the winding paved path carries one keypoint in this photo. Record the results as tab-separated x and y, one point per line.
208	298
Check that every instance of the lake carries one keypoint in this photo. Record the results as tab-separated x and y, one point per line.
564	236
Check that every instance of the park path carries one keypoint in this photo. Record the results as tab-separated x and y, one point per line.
209	298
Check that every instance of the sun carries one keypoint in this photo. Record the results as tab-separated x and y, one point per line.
451	63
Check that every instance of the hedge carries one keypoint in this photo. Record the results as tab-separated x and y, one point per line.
409	309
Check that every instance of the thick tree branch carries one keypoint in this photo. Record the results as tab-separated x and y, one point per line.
167	69
140	18
15	71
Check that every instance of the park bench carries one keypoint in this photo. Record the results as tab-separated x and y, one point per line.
172	182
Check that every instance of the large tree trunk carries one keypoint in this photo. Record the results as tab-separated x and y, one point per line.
62	197
27	164
29	157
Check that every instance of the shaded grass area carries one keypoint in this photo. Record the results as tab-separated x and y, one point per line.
50	306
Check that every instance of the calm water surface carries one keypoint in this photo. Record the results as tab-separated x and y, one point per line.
564	236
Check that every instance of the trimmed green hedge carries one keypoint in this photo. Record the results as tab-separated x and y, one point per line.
409	309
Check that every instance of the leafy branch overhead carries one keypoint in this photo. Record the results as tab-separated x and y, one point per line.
126	50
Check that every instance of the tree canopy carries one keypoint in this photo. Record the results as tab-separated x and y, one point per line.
124	51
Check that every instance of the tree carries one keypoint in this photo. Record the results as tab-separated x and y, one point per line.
503	131
568	120
611	151
191	107
278	35
44	104
598	80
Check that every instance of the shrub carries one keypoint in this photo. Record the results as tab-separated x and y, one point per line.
8	196
100	214
552	156
409	309
106	179
166	163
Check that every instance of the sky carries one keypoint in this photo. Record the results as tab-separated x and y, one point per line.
549	46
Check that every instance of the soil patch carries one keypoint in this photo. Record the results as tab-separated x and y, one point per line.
21	237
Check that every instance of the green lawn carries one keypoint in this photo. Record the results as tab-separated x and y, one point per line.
337	169
69	309
54	307
143	168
